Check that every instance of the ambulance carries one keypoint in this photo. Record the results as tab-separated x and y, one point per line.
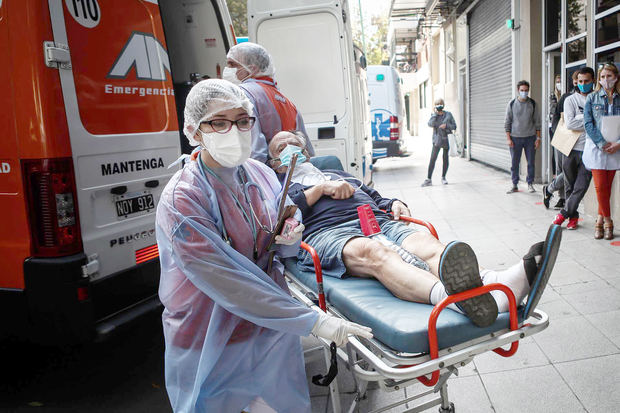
91	94
322	71
387	111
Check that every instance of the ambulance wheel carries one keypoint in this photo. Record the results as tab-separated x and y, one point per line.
448	410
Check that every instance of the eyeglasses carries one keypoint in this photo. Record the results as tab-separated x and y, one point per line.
224	125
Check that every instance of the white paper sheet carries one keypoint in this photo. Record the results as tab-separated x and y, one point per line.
610	128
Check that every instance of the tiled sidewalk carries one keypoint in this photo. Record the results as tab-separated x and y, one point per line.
572	366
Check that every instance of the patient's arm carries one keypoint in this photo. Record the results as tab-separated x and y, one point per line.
333	189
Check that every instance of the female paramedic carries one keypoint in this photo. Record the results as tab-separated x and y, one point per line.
231	328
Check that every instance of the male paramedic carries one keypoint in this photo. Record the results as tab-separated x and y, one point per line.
230	325
329	200
251	66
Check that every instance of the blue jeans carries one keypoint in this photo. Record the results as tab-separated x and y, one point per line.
521	144
329	243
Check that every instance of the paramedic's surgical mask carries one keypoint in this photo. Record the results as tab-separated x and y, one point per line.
288	152
523	94
230	74
228	149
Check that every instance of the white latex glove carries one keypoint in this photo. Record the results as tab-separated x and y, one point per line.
294	236
336	329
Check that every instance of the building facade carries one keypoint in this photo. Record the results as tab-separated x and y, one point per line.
472	53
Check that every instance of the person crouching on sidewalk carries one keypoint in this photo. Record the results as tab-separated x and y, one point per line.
443	124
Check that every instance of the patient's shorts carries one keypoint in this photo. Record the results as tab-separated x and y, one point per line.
329	242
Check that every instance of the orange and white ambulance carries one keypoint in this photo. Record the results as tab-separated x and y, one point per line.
91	93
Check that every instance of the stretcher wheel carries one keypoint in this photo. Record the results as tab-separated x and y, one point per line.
448	410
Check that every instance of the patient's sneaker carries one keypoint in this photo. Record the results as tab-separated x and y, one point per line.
459	271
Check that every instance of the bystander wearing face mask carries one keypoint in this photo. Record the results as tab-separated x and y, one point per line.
586	87
228	149
607	84
523	95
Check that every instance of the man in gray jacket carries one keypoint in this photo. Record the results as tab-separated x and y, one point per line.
576	177
443	124
522	127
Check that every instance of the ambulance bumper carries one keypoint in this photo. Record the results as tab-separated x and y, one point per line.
63	306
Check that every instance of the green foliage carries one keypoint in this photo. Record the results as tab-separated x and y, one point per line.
239	15
376	47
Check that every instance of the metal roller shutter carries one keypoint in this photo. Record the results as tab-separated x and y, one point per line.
490	81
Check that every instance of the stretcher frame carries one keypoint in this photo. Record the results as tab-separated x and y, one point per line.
372	361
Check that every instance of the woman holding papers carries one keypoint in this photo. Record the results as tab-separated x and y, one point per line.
602	149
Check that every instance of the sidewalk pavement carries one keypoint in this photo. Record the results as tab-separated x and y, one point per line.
573	365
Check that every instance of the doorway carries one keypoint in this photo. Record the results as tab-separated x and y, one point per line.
553	72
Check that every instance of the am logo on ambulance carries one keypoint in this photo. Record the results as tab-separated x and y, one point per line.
126	76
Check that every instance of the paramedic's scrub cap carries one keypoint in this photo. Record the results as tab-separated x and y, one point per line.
209	97
252	54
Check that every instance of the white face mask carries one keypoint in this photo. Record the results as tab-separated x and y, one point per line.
558	86
230	74
607	84
523	95
228	149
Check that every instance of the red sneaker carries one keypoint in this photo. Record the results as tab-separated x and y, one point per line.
559	219
572	223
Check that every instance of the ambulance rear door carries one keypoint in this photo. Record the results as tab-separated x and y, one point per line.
309	46
119	99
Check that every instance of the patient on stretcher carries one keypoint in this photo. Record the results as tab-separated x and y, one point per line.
328	201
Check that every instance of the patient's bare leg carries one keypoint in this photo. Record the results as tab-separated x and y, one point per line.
368	258
426	247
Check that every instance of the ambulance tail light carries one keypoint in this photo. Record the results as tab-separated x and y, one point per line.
52	206
394	132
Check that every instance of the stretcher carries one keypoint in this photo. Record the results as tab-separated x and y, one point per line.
414	342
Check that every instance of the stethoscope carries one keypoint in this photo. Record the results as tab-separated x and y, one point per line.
246	185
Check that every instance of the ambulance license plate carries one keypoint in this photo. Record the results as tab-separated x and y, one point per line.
132	203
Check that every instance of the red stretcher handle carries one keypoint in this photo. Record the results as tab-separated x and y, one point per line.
426	224
416	221
319	274
432	323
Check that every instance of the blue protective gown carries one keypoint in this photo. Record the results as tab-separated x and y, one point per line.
231	330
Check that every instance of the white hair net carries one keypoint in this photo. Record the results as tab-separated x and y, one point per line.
249	54
207	98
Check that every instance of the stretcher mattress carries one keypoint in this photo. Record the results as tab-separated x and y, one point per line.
401	325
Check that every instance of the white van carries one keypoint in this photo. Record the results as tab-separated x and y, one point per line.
387	111
90	93
321	71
